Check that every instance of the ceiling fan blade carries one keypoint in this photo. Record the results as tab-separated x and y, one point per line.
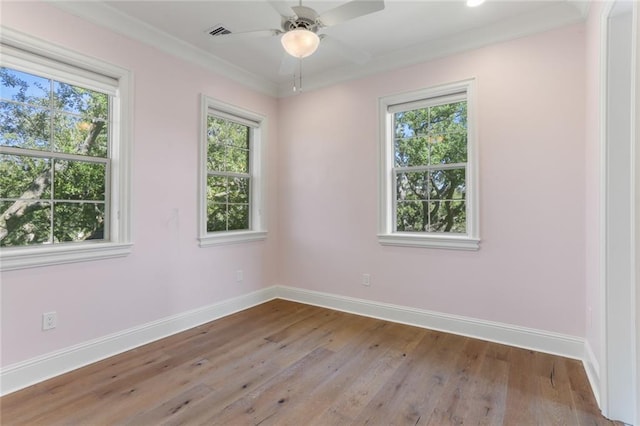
351	53
283	8
350	10
223	38
288	65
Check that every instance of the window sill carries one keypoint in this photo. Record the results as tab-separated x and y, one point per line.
32	257
233	237
451	242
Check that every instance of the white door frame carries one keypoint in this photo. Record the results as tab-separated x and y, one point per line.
618	374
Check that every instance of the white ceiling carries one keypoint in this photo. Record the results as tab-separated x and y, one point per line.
404	33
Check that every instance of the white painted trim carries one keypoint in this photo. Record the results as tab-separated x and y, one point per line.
416	240
20	375
258	149
542	20
512	335
592	368
386	196
616	391
602	255
31	257
225	238
32	371
502	31
104	15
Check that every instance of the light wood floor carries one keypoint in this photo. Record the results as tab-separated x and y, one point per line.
285	363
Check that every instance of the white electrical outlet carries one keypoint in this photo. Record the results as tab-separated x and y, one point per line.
49	320
366	280
239	275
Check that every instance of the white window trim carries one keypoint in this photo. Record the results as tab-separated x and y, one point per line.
258	231
386	235
17	46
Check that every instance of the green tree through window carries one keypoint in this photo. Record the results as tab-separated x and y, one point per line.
228	175
430	155
54	161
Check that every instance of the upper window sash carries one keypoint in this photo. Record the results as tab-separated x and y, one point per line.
388	106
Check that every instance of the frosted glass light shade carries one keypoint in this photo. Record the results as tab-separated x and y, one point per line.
300	43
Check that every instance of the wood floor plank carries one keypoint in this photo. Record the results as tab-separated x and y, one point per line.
286	363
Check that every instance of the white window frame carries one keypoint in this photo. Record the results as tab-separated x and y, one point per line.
388	105
29	54
258	130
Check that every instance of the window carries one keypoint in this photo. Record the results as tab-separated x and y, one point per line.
231	182
63	156
428	183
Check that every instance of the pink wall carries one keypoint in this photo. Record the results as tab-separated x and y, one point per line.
530	270
322	196
167	273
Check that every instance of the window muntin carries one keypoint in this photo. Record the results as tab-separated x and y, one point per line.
428	182
231	185
80	83
54	162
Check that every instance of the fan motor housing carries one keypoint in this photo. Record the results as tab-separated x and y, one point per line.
307	18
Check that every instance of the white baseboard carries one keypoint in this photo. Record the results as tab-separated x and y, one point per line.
522	337
20	375
592	367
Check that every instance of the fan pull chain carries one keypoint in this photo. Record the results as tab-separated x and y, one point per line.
299	81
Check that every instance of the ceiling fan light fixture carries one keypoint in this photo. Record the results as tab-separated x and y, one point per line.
300	42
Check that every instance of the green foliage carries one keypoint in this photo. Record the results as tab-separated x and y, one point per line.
228	182
45	198
431	150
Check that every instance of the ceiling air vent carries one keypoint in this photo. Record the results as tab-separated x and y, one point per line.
218	30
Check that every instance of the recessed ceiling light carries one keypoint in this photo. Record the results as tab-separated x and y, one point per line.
474	3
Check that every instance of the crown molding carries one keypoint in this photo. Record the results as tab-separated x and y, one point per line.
548	18
545	19
106	16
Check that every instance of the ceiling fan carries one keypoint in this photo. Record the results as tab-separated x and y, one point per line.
300	26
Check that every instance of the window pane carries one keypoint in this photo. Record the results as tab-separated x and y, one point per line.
78	221
238	216
411	152
448	148
217	189
237	160
32	225
216	217
24	126
412	186
411	123
238	190
227	132
75	135
447	216
84	102
23	87
240	136
410	216
447	184
215	156
448	118
19	174
78	180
